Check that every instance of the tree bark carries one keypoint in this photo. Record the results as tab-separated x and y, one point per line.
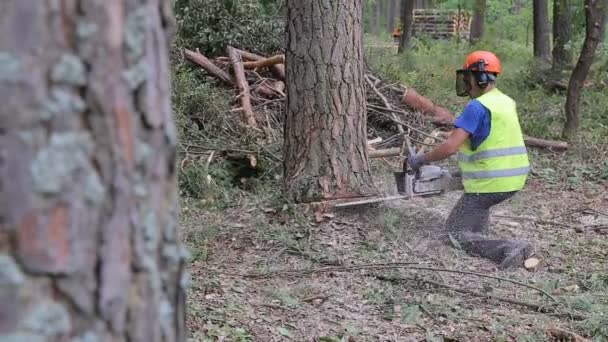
407	18
478	21
542	33
88	243
326	125
562	32
595	19
390	15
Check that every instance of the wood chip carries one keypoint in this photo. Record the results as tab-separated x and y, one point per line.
531	263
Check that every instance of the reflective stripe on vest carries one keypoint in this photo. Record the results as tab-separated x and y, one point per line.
496	174
499	152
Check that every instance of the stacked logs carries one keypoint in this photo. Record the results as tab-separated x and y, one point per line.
440	24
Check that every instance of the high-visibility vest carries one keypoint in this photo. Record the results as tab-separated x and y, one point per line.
500	163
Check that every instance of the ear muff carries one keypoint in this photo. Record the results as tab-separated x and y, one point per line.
481	76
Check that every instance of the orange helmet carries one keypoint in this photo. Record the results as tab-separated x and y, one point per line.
483	61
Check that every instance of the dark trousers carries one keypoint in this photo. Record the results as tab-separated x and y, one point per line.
467	225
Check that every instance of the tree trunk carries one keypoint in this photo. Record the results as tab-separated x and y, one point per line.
542	33
88	244
516	6
407	17
595	19
478	21
378	17
390	15
562	21
326	126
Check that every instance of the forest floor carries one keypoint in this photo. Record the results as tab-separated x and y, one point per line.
235	296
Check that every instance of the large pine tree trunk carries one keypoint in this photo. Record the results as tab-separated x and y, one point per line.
326	127
542	33
478	21
407	17
595	18
562	32
88	247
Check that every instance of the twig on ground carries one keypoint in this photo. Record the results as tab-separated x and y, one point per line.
323	298
535	306
534	220
399	122
404	265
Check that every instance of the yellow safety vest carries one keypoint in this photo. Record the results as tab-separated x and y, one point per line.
500	163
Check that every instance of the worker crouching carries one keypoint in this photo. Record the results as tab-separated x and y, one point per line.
492	157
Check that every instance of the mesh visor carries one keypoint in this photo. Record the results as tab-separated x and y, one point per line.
462	82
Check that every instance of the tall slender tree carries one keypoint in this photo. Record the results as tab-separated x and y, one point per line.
478	22
562	34
88	243
542	33
595	24
325	154
390	15
407	18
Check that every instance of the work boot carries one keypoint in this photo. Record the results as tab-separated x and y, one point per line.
519	252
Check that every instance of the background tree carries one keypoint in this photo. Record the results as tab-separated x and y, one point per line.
478	21
516	6
407	18
378	17
542	33
595	18
562	34
88	243
325	154
391	11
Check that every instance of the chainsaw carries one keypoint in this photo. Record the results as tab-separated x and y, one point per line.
427	181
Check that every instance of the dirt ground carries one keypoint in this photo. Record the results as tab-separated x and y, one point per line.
235	296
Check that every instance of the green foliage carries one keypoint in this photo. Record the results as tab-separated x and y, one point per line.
210	25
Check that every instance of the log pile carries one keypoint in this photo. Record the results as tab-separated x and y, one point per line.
441	24
393	110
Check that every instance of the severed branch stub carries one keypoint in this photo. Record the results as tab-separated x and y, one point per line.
239	78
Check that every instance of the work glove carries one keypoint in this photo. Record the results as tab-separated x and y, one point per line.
416	161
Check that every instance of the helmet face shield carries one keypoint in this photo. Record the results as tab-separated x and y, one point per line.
463	87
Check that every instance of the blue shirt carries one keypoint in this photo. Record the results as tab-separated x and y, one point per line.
476	120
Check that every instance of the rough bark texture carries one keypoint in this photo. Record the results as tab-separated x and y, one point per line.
595	19
407	18
478	22
325	127
562	32
542	33
88	246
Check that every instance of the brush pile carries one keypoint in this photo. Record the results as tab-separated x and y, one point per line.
394	110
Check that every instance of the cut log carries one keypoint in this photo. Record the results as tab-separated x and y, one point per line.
278	69
551	144
270	89
239	79
419	103
389	152
265	62
206	64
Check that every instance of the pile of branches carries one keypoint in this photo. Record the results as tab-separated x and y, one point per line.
394	111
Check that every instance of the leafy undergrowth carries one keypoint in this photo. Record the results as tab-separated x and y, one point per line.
236	294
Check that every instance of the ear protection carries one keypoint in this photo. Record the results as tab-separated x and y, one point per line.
481	75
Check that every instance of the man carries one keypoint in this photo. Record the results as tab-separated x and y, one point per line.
492	157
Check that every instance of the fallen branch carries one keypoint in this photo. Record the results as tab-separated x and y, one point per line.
265	62
388	152
278	69
239	76
206	64
532	219
399	122
552	144
386	103
403	265
535	306
562	334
